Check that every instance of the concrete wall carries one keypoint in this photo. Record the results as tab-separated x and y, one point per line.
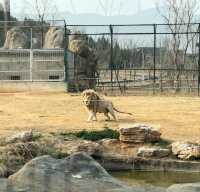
16	86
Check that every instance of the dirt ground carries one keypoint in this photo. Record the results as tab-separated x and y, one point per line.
178	118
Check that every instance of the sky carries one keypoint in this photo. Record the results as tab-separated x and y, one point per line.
104	7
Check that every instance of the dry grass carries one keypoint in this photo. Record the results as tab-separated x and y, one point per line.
177	117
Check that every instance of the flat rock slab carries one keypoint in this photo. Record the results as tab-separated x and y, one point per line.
138	134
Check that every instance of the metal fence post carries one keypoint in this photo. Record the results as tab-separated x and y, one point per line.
31	43
65	52
42	32
111	55
31	64
31	55
154	59
199	62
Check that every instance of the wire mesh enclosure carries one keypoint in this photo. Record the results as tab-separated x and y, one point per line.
32	65
145	57
124	58
32	51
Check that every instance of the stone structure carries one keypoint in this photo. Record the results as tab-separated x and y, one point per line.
16	39
139	134
54	38
86	63
186	150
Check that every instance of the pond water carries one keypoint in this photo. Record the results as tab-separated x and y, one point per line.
156	178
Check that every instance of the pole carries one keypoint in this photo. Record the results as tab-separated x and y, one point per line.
6	15
42	31
154	59
111	55
31	44
31	64
31	56
65	54
199	63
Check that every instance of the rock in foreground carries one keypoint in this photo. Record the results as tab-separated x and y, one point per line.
188	187
78	172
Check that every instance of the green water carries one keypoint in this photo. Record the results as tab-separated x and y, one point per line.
156	178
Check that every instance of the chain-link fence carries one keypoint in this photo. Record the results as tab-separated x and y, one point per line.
152	57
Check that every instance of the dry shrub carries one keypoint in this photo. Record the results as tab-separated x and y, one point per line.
14	156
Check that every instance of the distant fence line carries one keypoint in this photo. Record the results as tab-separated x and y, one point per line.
153	64
138	57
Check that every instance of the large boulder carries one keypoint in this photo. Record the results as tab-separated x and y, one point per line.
54	38
81	48
188	187
86	59
76	173
16	39
186	150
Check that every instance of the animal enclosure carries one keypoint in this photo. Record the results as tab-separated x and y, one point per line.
145	57
140	58
32	51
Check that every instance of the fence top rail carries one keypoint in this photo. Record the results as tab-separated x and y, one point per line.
48	50
28	50
133	25
139	33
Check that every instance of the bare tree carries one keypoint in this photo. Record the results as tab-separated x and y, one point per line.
41	9
6	14
179	15
110	7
